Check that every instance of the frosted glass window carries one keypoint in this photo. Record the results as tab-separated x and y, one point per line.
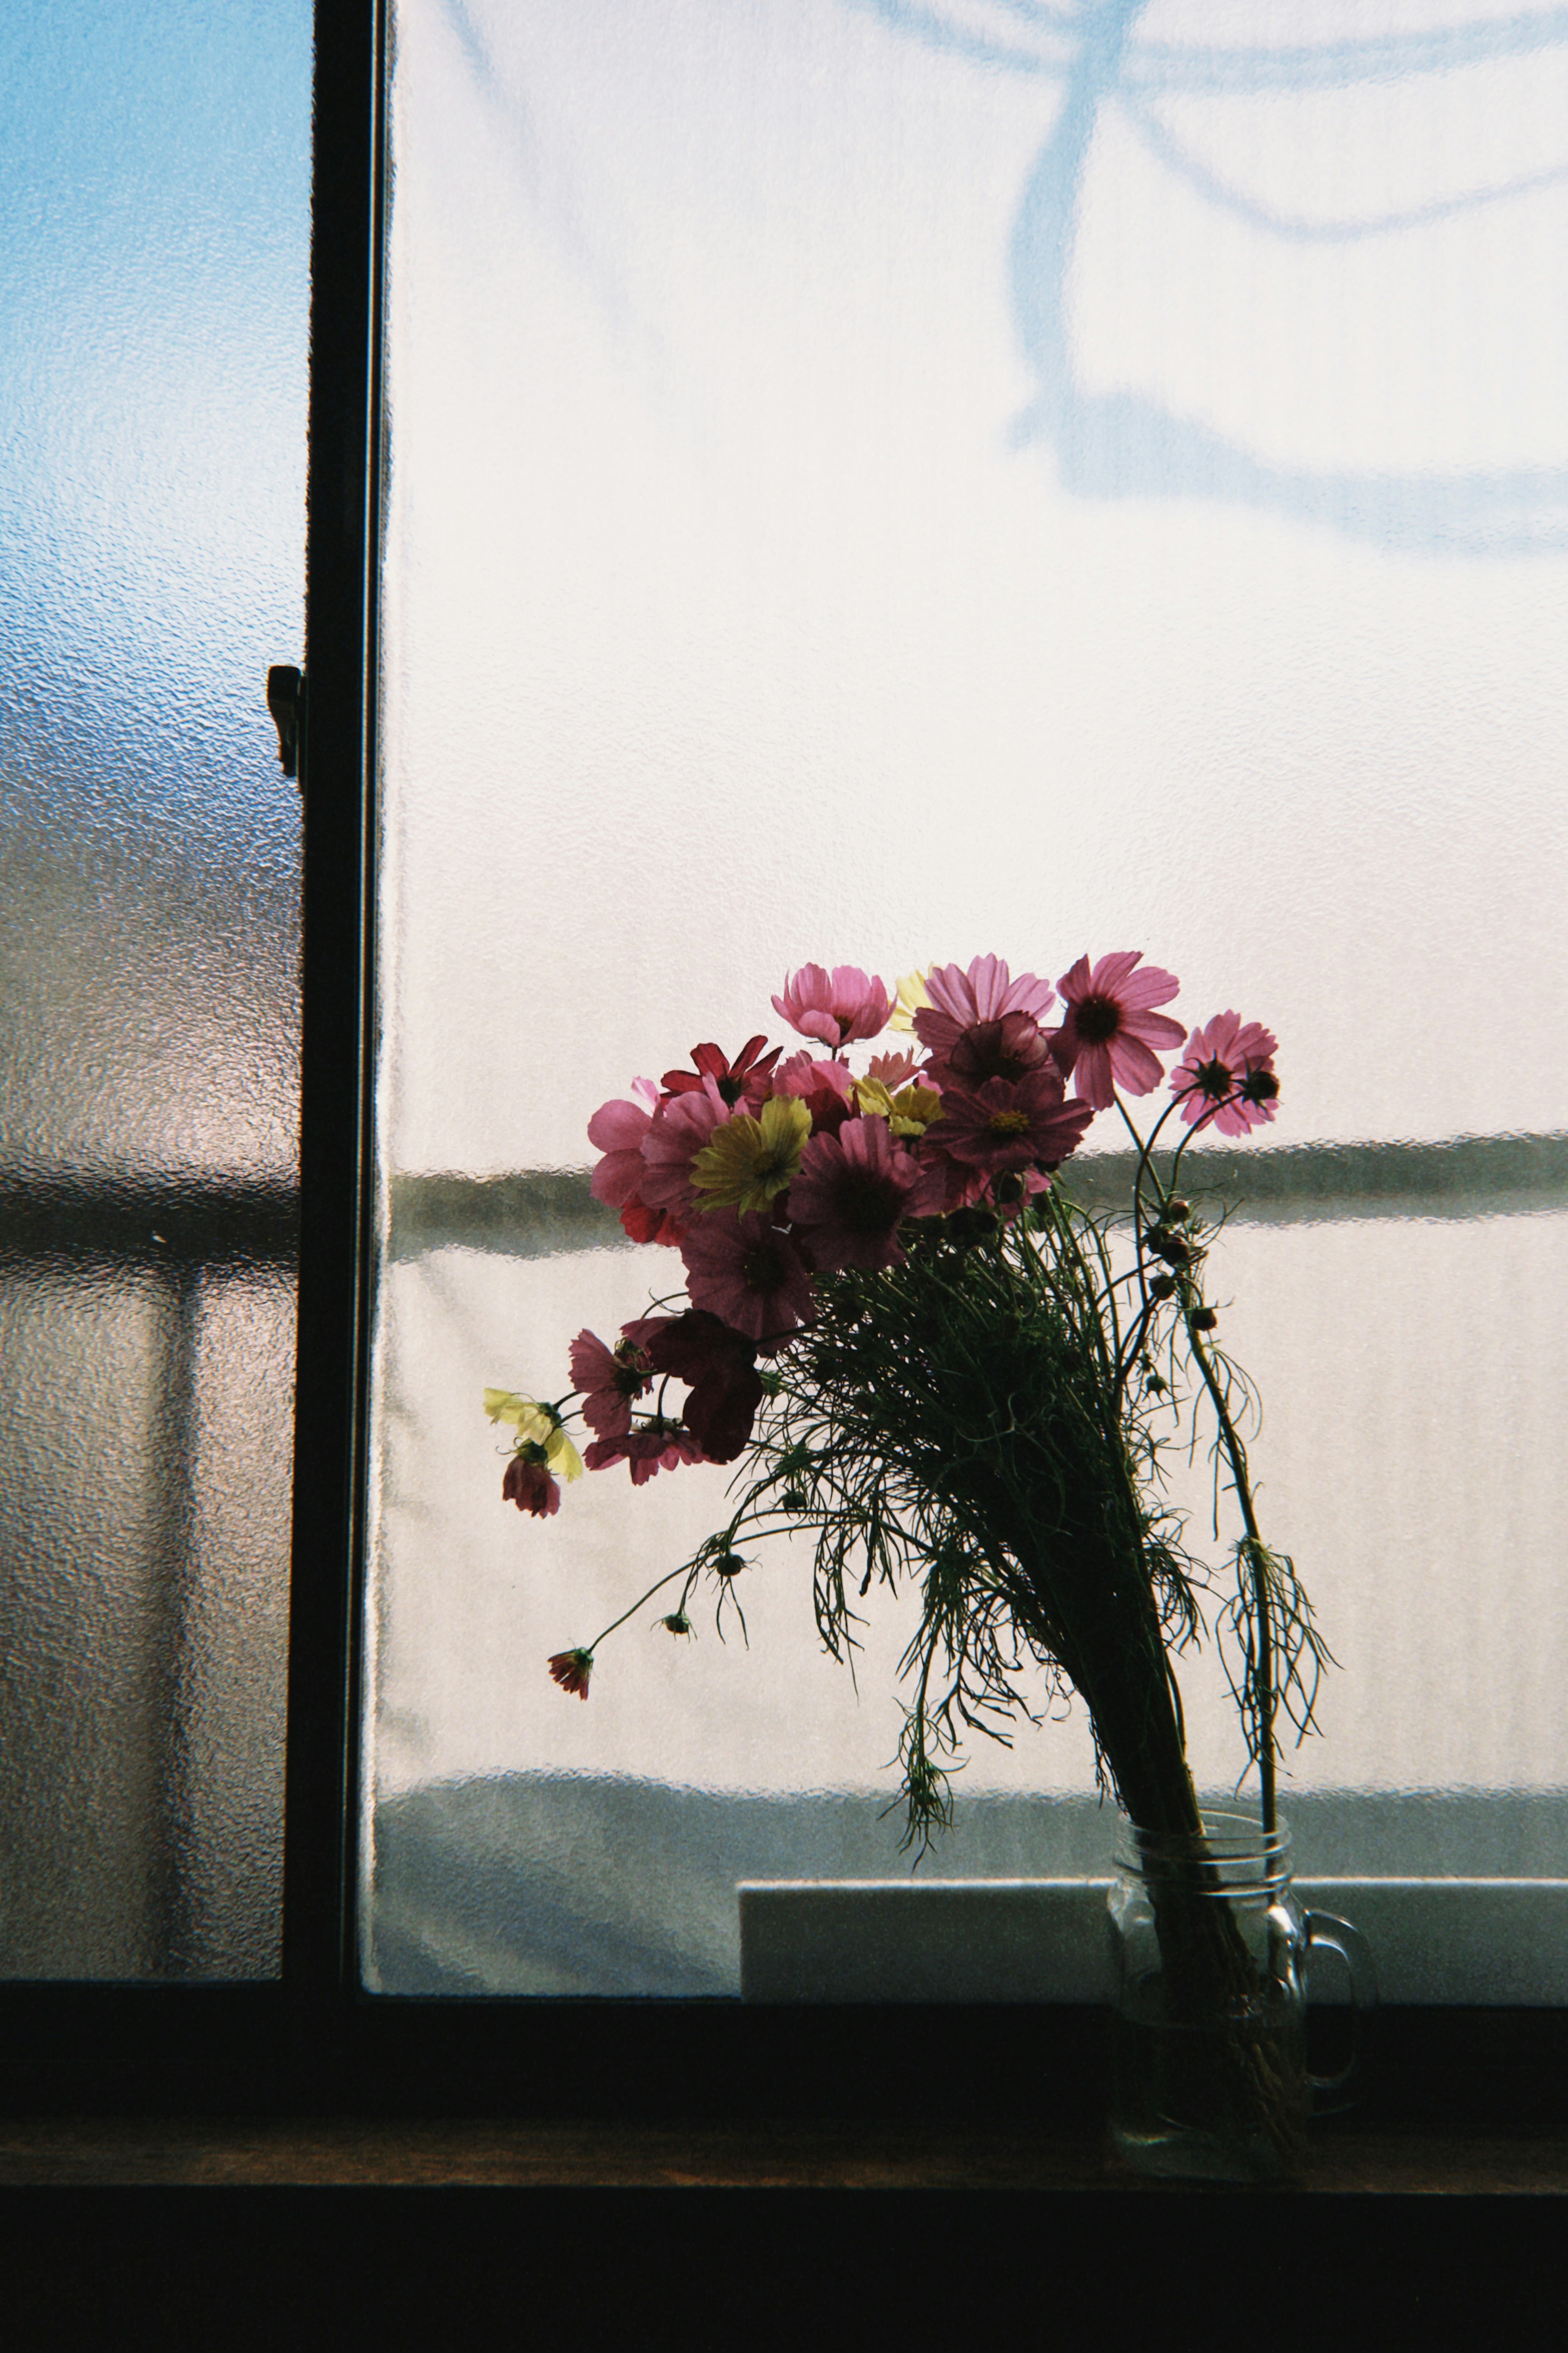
154	247
880	483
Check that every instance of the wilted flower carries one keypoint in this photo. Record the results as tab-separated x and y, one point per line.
836	1006
571	1669
658	1445
527	1483
1110	1037
720	1366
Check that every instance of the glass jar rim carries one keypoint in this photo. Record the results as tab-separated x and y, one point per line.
1231	1839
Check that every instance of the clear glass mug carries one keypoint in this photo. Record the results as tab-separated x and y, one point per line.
1209	2077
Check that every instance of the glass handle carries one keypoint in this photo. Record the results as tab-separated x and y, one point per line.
1335	1936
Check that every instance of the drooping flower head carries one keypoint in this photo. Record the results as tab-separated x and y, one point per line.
746	1079
1110	1037
997	1049
836	1006
747	1272
746	1162
527	1483
1008	1125
658	1445
609	1378
1226	1075
853	1190
538	1427
571	1669
960	1000
720	1366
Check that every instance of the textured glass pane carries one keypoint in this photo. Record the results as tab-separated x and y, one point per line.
154	188
878	484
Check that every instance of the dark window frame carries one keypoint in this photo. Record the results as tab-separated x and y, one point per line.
314	2039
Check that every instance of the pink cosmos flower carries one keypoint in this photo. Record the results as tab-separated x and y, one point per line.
747	1273
531	1487
852	1192
1111	1037
609	1379
985	993
660	1445
618	1129
676	1134
836	1006
745	1079
1226	1075
1010	1124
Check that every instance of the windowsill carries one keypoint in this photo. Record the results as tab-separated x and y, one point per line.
88	2153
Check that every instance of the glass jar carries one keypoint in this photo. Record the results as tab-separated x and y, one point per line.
1209	2077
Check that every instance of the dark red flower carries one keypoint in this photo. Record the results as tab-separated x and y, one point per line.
660	1445
747	1272
571	1669
1003	1049
746	1077
609	1378
720	1366
1010	1124
529	1483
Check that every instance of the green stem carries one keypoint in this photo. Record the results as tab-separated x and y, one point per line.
1257	1556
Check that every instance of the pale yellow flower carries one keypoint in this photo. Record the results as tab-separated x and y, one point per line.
908	1112
536	1425
911	996
747	1162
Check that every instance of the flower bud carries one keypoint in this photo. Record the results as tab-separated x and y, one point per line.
1163	1287
1203	1319
1178	1213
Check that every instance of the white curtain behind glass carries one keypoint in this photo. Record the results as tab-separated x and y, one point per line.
883	483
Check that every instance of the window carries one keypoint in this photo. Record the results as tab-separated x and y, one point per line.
881	483
1239	541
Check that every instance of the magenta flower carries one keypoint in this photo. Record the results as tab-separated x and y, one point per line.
619	1130
836	1006
1226	1075
529	1485
609	1378
743	1080
676	1134
1110	1037
1009	1124
985	993
747	1272
660	1445
852	1192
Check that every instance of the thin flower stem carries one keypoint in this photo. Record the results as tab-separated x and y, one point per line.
634	1607
1257	1556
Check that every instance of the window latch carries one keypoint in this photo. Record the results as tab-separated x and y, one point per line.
285	702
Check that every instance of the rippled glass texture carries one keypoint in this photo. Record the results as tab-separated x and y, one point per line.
154	202
880	483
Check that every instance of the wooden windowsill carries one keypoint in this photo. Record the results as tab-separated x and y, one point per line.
74	2152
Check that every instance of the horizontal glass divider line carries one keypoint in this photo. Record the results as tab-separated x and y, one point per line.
74	1217
1486	1942
537	1213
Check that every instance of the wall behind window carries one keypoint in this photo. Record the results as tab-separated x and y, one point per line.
154	216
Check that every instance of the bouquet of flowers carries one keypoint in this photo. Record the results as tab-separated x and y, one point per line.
919	1348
